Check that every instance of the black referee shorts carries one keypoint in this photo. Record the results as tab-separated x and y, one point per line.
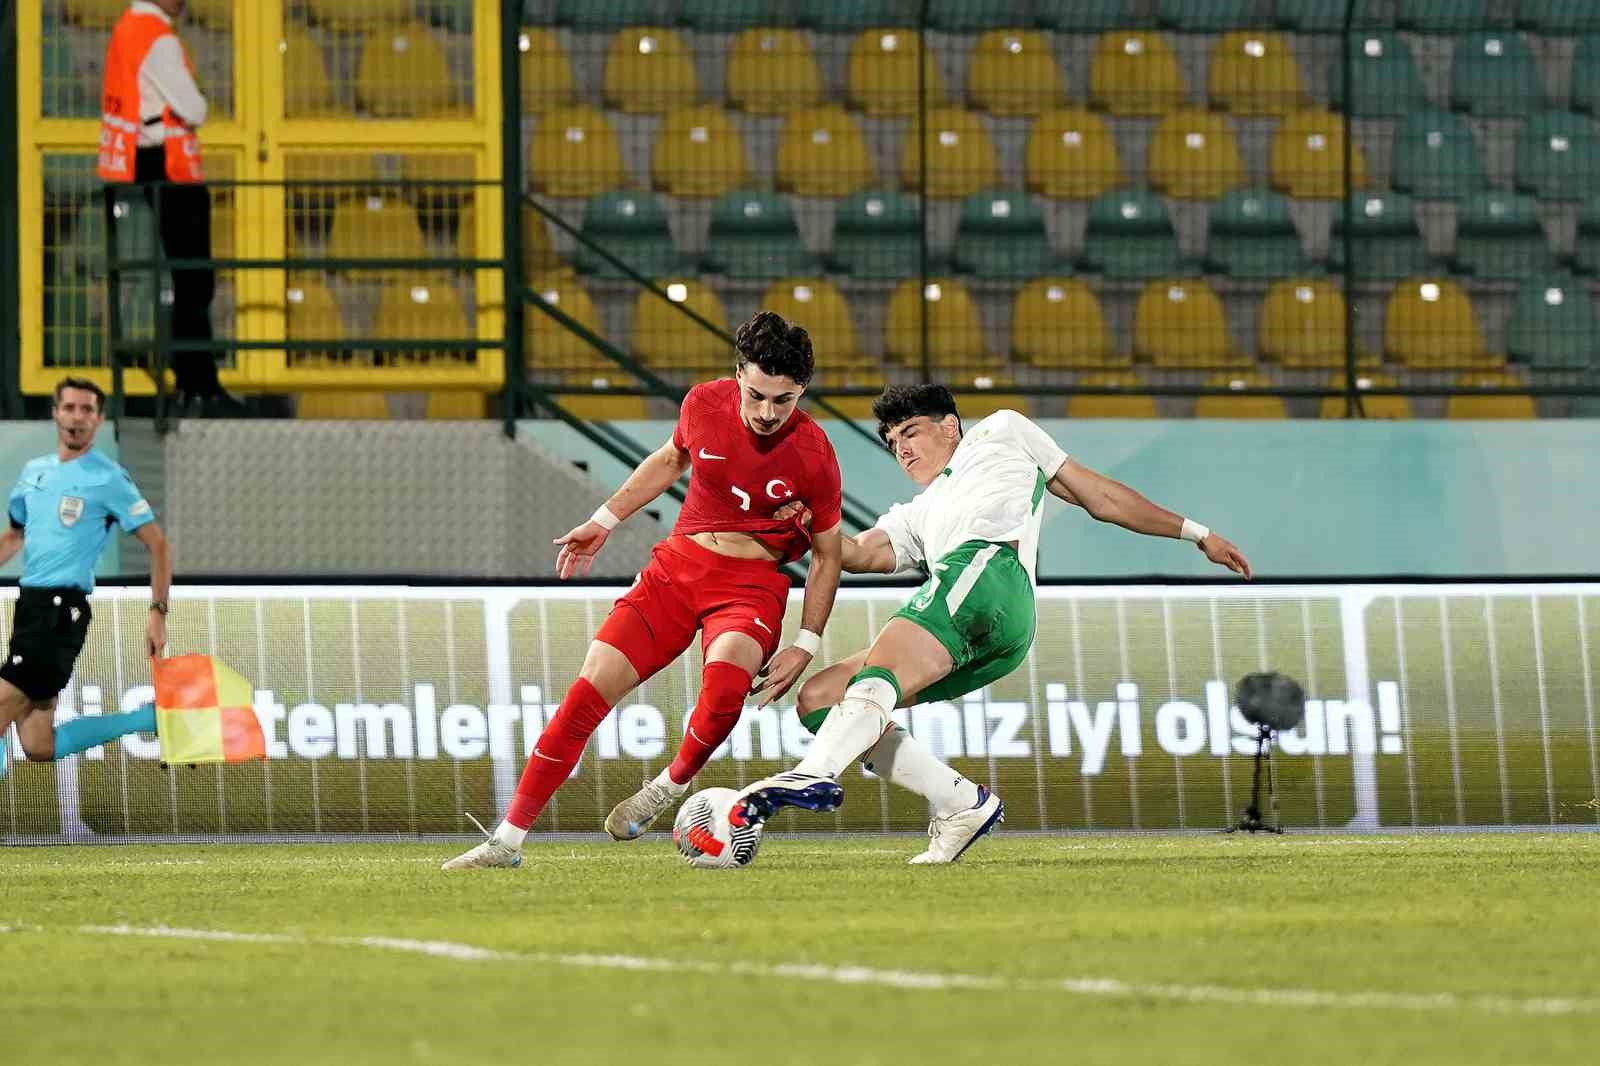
47	634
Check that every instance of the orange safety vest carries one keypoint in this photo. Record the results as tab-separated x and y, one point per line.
120	120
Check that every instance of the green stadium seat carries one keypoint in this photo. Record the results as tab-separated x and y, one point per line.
1251	235
831	16
878	235
604	14
975	16
1086	16
1587	406
135	232
1130	235
1387	82
1435	157
633	227
1586	75
61	84
1559	18
1205	16
731	15
1553	326
1002	235
1449	16
1558	157
1494	75
754	235
1326	16
1498	237
1385	240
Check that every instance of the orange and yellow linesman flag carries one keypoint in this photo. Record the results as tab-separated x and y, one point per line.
203	712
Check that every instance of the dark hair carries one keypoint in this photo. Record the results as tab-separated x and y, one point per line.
775	346
87	386
901	403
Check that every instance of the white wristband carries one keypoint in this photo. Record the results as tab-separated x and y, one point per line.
1194	532
603	518
808	642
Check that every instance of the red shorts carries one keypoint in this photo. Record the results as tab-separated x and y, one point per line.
687	588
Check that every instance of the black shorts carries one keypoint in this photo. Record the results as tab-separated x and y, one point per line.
47	634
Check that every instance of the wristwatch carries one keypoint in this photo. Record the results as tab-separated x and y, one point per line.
159	605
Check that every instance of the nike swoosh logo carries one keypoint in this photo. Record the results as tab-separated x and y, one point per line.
707	455
762	624
541	755
698	737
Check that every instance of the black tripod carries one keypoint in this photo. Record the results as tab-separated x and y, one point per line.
1251	822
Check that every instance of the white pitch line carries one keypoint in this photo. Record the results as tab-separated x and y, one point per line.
1098	987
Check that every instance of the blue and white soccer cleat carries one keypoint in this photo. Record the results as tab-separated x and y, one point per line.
5	762
949	837
490	854
809	792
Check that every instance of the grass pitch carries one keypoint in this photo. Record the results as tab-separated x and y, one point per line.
1037	949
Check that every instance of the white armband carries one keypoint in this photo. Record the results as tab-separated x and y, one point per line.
1194	532
603	518
808	642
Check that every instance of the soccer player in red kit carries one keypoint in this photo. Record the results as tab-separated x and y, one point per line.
750	451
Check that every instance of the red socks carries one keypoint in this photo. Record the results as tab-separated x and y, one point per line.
722	691
559	748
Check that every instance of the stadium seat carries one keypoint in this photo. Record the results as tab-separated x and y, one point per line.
538	253
771	72
819	306
1435	157
342	406
1071	156
1086	16
698	153
973	16
421	309
602	14
602	406
1558	157
546	72
754	235
1553	326
455	405
1387	81
1445	16
310	313
1001	235
1135	73
1056	323
307	89
846	374
1586	255
1194	156
955	332
1391	408
1204	16
375	227
830	16
664	336
1385	241
1308	157
633	228
878	235
370	14
402	73
723	16
1014	72
1111	405
1328	16
94	14
883	73
1429	325
1498	237
1130	235
550	343
821	152
574	152
1586	75
1251	235
1302	324
648	70
1254	73
1511	404
1559	18
135	232
1178	324
1494	76
996	391
961	157
1244	405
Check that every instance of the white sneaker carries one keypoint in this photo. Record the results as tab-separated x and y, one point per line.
809	792
629	819
488	855
955	833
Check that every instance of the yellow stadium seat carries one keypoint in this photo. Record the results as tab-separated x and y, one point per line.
1014	72
546	72
648	70
883	73
961	157
1194	156
307	89
1303	324
455	405
1072	156
421	308
955	332
402	73
1255	73
575	153
664	336
1308	157
375	227
698	153
1111	406
1429	325
550	343
1242	406
821	152
342	406
357	169
95	14
310	314
1507	405
1057	323
771	72
1135	73
602	407
996	392
1374	407
817	305
836	374
439	167
538	254
345	15
1178	323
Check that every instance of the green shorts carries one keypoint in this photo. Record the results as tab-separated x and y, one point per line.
978	603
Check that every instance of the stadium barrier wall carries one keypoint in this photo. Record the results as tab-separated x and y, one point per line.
394	711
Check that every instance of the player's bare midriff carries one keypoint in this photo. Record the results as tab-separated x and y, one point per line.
735	546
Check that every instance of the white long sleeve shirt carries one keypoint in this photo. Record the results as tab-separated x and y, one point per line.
165	81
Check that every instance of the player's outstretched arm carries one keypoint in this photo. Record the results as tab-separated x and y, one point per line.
649	479
155	630
1109	500
869	553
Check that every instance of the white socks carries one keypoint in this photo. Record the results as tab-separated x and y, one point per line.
510	835
851	728
903	760
665	779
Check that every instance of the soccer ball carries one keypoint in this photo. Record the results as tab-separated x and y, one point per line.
704	836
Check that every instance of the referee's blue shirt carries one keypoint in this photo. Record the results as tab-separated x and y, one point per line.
65	512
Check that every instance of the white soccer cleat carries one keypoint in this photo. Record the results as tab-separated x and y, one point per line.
491	854
629	819
809	792
953	834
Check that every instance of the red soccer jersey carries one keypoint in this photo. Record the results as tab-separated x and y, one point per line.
738	477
